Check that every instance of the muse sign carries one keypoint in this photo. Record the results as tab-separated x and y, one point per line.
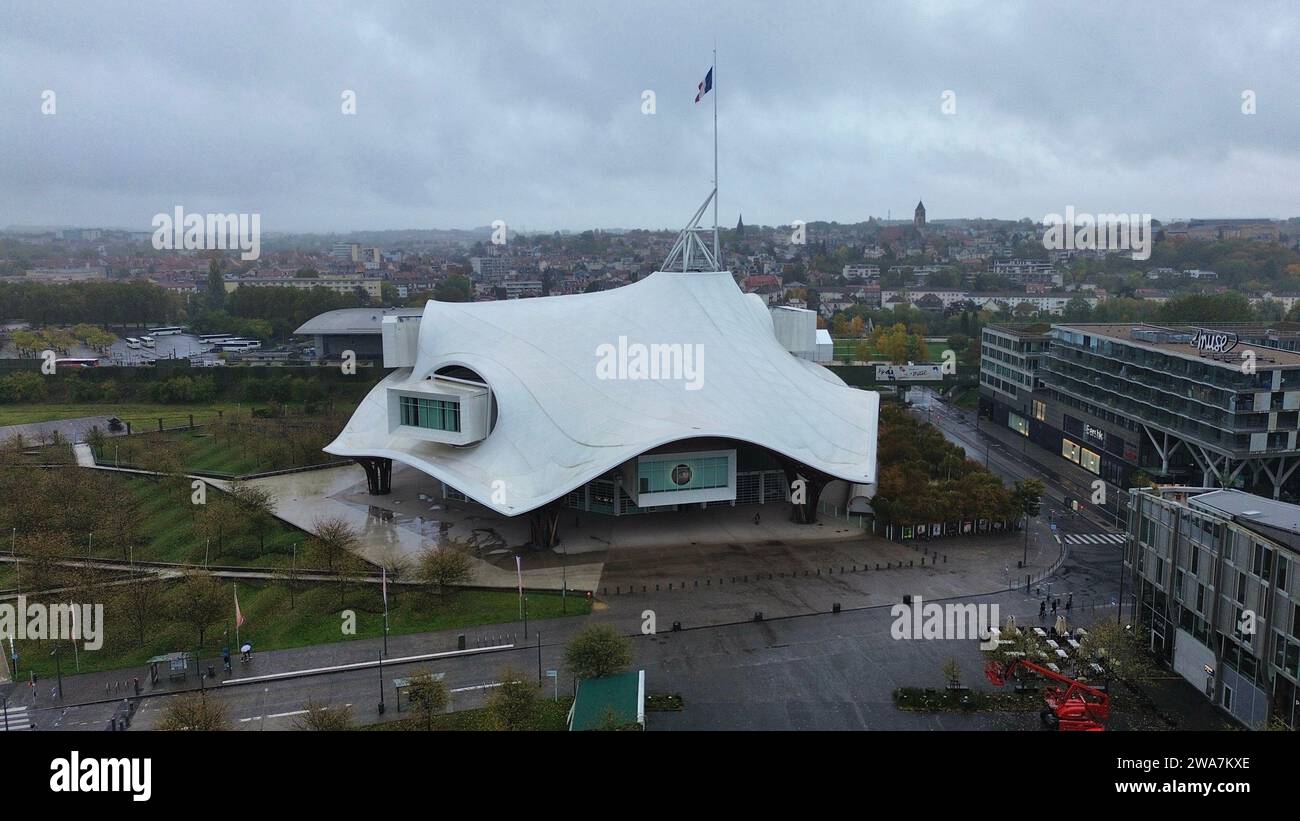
1214	341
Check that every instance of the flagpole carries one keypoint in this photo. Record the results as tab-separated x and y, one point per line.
716	258
237	644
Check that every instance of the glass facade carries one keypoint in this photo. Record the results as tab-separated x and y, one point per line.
1203	400
1230	590
682	473
435	414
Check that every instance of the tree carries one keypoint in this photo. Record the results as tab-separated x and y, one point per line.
140	602
321	716
200	602
194	712
513	704
454	288
441	567
331	538
215	293
258	505
598	650
1027	496
952	672
334	540
427	693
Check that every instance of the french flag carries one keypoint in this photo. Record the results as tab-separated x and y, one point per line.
705	86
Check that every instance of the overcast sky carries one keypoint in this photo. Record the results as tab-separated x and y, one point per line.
532	113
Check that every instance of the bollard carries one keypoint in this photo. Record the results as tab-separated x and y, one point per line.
835	608
460	642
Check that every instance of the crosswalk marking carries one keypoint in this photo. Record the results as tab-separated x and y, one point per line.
16	718
1095	538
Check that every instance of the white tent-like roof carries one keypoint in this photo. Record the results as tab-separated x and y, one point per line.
562	421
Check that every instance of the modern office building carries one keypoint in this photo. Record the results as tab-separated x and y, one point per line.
1213	576
1204	406
676	392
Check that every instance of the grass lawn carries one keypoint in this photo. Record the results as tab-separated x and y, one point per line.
549	715
227	453
143	416
271	623
168	534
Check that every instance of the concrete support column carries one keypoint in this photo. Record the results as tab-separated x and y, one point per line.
544	526
379	474
814	482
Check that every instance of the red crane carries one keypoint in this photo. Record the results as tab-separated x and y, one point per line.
1071	706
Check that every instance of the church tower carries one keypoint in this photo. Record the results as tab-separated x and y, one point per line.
918	220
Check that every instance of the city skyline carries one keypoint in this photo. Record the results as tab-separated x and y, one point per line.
536	118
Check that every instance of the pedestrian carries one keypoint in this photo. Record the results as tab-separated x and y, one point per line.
137	685
1042	610
1069	602
1054	601
755	518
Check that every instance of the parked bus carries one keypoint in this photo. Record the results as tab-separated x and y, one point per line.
215	337
166	330
239	345
147	341
132	342
72	362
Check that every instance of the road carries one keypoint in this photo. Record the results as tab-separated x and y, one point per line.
1012	457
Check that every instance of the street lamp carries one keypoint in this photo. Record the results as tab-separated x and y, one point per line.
58	669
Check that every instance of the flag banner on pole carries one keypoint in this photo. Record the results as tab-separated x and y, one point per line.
383	584
239	617
519	571
705	86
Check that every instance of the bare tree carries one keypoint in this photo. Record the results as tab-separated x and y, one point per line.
332	538
258	505
140	601
199	601
194	712
321	716
441	567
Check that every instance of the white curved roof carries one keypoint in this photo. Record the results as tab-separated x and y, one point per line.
561	425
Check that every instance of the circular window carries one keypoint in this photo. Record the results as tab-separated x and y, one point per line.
681	475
